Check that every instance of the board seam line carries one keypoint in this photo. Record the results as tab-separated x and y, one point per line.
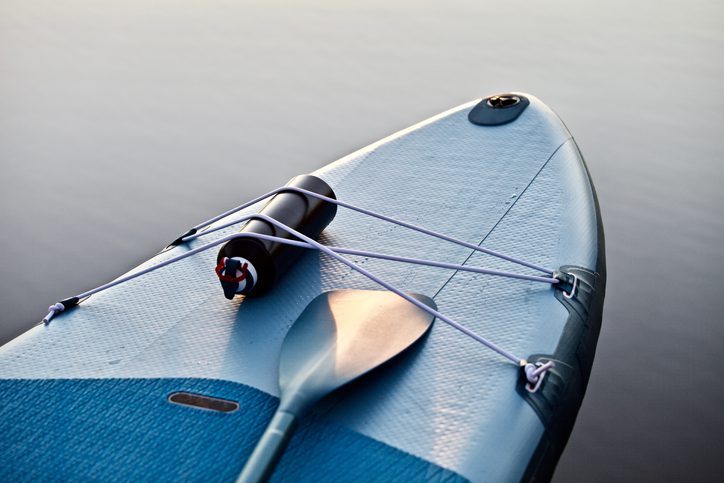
535	176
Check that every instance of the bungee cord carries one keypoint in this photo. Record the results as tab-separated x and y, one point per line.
534	373
194	233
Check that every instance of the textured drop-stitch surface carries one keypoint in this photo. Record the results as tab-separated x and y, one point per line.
519	188
126	430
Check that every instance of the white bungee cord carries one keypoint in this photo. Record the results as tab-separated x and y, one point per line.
534	373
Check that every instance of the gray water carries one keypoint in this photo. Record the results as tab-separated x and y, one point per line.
121	123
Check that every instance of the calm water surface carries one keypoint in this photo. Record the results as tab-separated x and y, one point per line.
119	119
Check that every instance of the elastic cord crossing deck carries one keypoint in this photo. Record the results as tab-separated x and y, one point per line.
533	373
193	232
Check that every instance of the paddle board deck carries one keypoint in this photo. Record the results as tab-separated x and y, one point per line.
87	396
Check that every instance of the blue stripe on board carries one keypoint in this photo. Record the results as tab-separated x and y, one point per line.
126	430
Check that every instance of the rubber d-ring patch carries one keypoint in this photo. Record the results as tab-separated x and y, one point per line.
498	109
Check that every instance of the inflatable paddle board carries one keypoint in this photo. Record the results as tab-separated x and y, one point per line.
172	374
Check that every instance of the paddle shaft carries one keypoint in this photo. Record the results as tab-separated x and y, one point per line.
262	461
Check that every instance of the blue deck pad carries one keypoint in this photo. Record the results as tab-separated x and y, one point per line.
126	430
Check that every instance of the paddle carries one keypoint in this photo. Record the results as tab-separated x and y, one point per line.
339	336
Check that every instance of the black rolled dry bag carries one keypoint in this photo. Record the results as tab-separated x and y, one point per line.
251	266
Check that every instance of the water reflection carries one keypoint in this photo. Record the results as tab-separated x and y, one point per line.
119	125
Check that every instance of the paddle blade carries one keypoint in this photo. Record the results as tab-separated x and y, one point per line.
340	336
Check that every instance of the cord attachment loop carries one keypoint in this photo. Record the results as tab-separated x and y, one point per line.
566	279
180	239
59	307
535	373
